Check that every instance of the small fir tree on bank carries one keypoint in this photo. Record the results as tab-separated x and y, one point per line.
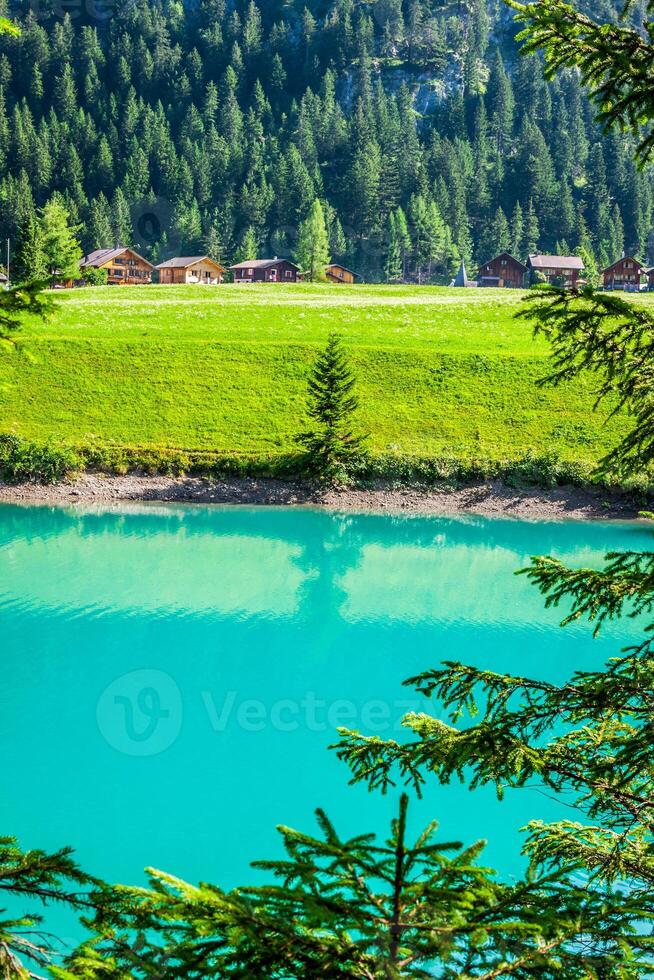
331	444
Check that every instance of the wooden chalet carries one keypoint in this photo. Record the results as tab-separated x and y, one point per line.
265	270
625	274
503	272
191	269
338	273
124	266
565	269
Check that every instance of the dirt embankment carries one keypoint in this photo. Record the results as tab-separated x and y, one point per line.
492	498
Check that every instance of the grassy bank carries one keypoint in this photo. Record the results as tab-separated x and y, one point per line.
191	373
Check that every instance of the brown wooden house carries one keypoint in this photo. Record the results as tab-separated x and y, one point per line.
625	274
504	272
338	273
124	266
198	269
557	269
265	270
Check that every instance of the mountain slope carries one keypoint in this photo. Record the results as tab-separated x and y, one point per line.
211	127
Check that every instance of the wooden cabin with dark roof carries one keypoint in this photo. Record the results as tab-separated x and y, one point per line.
124	266
502	272
625	274
265	270
193	269
557	269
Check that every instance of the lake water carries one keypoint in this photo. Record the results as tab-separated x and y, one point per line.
172	676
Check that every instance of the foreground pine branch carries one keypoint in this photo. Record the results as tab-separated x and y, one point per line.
46	878
19	302
616	62
356	907
612	339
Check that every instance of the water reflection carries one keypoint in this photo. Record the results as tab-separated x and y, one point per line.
266	625
282	564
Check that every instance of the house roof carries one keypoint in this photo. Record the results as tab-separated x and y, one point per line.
504	255
3	277
556	262
625	258
101	256
337	265
262	264
184	261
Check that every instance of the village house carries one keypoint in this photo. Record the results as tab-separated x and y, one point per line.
504	271
557	269
124	266
265	270
3	278
191	269
338	273
625	274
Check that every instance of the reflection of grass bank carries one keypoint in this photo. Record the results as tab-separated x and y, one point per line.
181	376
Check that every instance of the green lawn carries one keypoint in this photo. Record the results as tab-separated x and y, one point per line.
224	368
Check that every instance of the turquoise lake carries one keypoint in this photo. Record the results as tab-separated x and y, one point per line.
172	676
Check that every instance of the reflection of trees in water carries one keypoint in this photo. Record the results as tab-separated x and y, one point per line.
331	543
331	550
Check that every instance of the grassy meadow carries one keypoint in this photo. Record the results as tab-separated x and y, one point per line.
223	369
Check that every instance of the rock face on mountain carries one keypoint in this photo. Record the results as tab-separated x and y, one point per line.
211	127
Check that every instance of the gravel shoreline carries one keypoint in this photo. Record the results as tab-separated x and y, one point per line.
492	498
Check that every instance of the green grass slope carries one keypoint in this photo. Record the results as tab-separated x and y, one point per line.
224	369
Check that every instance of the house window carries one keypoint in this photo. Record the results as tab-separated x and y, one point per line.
503	262
288	274
249	272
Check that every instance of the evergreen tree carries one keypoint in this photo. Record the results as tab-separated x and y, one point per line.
355	908
249	118
331	444
518	232
212	244
337	239
59	243
248	246
100	232
532	232
393	266
312	252
29	263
